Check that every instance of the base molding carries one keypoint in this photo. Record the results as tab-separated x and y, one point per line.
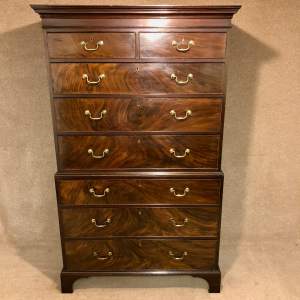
213	277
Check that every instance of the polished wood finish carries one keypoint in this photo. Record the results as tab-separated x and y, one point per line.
133	152
139	191
133	78
142	16
68	45
141	23
139	114
205	45
140	254
212	276
140	221
139	209
203	11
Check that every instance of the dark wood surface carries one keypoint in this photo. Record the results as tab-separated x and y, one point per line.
138	114
206	45
211	275
68	45
187	174
138	152
137	58
139	191
203	11
165	16
140	221
133	78
139	254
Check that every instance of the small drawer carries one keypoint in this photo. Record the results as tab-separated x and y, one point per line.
134	152
143	254
139	114
139	191
183	45
91	45
134	78
81	222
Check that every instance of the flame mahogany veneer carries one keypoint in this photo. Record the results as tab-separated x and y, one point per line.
137	97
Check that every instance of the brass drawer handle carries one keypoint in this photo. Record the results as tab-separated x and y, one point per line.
187	114
102	113
96	254
91	152
92	191
186	151
182	82
90	82
178	257
185	221
178	44
84	45
106	222
186	190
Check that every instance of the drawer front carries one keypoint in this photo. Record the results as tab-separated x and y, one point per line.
133	78
183	45
132	254
139	191
140	221
91	45
156	151
139	114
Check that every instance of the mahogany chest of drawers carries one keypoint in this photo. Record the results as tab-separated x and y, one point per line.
137	97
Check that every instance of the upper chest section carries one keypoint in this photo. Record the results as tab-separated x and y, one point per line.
136	32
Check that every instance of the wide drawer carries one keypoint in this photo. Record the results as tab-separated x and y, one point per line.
134	78
140	221
91	45
145	151
134	254
138	191
183	45
139	114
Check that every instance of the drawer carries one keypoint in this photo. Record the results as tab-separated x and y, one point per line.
139	191
140	221
139	114
145	151
183	45
91	45
133	254
134	78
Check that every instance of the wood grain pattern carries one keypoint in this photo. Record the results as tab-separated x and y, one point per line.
67	45
138	94
140	221
142	191
138	114
132	254
133	78
206	45
138	152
